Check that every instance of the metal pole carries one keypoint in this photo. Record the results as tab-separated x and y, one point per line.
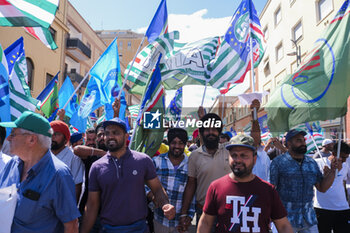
255	115
132	64
205	90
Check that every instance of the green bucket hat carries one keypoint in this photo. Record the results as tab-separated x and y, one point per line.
31	121
241	140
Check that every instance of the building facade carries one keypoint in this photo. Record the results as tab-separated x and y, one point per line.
290	28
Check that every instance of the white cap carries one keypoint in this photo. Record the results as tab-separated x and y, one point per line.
326	142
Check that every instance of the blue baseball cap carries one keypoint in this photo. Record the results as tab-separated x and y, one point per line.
293	132
115	121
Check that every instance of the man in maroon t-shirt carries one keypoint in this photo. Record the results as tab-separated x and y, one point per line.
241	201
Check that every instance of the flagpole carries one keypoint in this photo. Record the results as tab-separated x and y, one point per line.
132	64
318	150
339	141
223	105
252	65
205	90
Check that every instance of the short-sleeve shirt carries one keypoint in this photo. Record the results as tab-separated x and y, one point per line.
243	206
206	168
54	201
121	183
295	184
74	163
334	198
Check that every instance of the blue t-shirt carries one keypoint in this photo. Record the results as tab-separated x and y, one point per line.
46	198
121	185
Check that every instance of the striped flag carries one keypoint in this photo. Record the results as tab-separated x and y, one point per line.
148	140
27	13
48	98
181	63
5	115
42	34
134	111
159	23
233	59
20	97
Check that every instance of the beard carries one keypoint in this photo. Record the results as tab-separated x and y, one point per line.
176	154
299	150
91	145
101	145
242	170
211	141
56	146
113	145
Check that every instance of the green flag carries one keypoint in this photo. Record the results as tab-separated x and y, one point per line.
320	88
149	132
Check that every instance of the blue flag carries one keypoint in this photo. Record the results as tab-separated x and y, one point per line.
238	36
159	23
89	103
64	94
175	106
5	115
48	98
107	74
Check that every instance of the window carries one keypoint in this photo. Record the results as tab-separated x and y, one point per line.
88	45
267	70
324	7
278	16
53	33
49	77
120	57
279	52
120	44
129	45
297	31
30	70
266	32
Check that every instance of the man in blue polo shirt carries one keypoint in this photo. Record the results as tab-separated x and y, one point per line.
116	186
46	194
295	176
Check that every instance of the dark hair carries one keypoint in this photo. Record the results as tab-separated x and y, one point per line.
344	147
2	134
89	131
211	116
100	125
224	135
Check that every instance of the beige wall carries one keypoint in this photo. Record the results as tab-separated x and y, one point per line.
44	60
87	36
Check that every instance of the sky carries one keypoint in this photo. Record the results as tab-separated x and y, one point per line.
194	19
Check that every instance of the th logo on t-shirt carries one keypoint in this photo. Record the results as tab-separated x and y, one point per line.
246	214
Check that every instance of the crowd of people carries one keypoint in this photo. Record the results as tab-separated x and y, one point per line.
93	182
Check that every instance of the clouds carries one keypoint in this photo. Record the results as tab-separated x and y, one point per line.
195	26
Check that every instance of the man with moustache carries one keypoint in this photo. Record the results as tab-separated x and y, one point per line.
116	186
242	201
206	164
295	176
60	137
90	138
172	168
